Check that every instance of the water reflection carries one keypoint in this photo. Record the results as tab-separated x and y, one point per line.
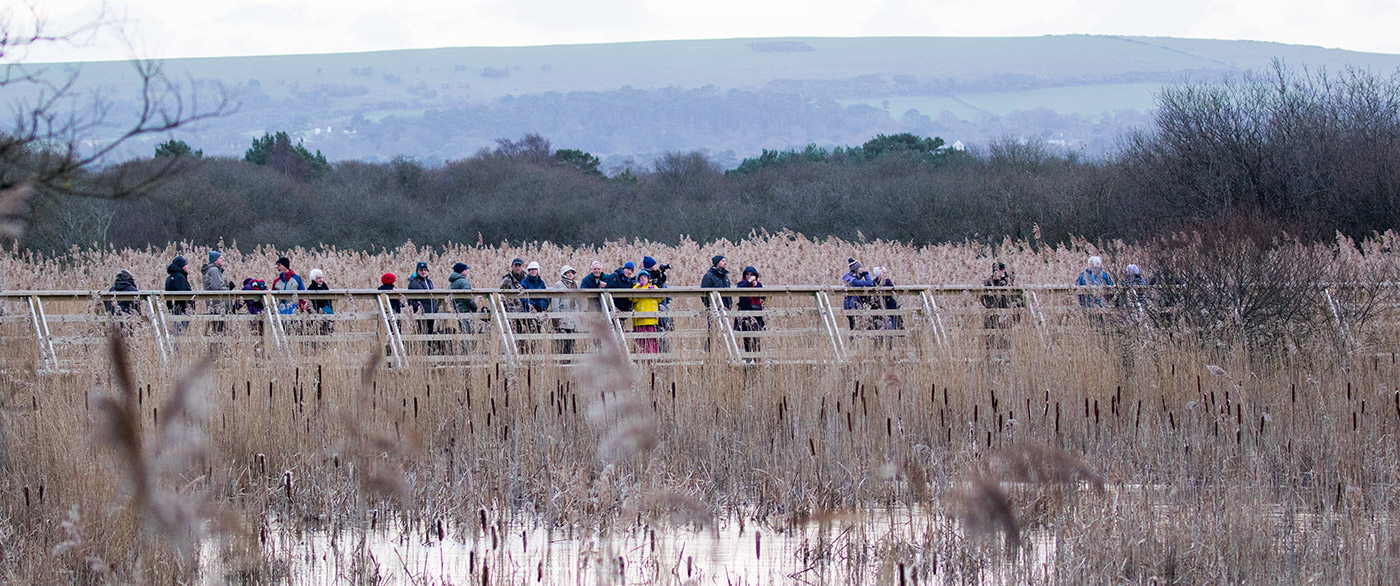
889	546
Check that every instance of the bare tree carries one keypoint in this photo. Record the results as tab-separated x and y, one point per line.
49	145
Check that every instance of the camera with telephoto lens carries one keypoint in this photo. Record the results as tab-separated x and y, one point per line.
660	278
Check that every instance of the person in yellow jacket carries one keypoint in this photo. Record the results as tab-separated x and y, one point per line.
646	305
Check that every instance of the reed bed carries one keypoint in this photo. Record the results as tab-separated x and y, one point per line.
1100	454
784	259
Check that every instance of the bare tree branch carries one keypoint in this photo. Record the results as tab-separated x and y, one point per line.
51	144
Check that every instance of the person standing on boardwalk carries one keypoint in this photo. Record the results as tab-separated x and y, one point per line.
533	281
566	304
750	323
255	306
512	281
856	277
717	278
386	283
287	280
124	283
214	279
463	303
881	278
645	323
1093	277
419	281
321	307
622	279
595	279
177	280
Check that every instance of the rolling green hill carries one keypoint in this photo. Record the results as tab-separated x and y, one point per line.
728	97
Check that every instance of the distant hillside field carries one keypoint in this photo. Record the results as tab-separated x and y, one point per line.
628	102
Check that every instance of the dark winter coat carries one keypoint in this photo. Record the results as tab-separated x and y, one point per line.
420	282
716	278
393	299
464	303
616	280
320	305
591	282
123	283
750	303
177	279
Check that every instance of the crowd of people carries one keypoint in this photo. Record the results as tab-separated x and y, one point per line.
648	313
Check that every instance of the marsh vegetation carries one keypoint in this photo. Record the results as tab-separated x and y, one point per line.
1099	450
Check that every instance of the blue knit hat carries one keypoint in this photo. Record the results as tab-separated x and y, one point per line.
648	262
629	265
214	255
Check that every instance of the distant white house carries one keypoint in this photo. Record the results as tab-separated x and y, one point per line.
958	146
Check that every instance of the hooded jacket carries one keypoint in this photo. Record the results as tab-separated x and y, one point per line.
566	304
123	283
177	279
750	303
645	305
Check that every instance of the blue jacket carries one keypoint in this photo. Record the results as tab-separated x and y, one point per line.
538	303
854	280
1089	278
616	280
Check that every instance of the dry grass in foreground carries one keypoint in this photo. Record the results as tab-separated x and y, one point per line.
1098	455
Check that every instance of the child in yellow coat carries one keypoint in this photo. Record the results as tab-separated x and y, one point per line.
646	305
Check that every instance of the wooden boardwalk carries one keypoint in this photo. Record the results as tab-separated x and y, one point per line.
801	324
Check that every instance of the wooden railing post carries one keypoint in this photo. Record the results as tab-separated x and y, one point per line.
391	329
833	329
726	326
504	329
41	333
611	313
157	319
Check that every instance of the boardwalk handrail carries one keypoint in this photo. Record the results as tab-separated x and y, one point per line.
815	322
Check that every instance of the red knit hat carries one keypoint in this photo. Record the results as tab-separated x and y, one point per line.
387	279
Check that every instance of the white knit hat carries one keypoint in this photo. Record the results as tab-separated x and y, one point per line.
533	265
564	270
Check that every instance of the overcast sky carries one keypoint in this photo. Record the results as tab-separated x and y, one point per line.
202	28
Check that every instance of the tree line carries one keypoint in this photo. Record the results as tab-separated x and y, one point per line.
1304	153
